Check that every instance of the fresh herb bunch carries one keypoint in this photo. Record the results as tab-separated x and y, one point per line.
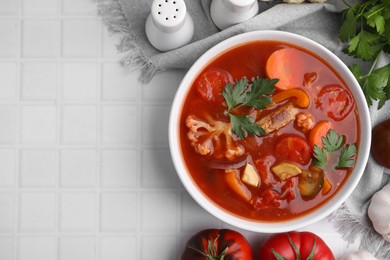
366	30
247	95
331	143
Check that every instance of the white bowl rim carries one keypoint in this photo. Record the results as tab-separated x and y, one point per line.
279	226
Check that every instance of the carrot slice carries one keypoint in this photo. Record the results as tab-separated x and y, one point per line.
287	65
318	131
233	180
300	98
327	187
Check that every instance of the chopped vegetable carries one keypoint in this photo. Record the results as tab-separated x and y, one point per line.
211	84
293	148
245	95
327	187
286	65
298	96
205	135
335	101
311	182
366	31
233	180
250	175
286	170
319	131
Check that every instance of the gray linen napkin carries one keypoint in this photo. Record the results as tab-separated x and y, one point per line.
319	22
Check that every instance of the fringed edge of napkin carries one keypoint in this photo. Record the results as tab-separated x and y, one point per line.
351	229
134	58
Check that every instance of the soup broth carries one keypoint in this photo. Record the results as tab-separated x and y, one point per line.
307	142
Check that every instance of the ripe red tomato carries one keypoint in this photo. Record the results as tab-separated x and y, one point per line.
217	244
308	246
335	101
211	84
293	148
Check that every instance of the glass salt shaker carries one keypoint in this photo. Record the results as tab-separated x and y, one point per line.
169	26
226	13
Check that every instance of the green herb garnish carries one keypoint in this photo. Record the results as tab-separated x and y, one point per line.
247	95
331	143
366	30
320	157
347	157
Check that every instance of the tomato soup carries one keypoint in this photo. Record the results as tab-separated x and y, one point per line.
269	131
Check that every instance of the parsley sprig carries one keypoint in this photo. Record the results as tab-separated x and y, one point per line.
366	30
243	94
331	143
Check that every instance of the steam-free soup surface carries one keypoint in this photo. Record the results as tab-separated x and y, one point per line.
269	131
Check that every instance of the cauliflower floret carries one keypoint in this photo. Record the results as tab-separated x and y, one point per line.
304	121
208	136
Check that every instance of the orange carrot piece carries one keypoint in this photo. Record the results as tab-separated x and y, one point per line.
233	180
286	64
318	131
327	187
300	97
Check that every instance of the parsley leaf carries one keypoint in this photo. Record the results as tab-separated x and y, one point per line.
243	94
320	156
377	82
332	142
347	157
348	28
366	32
245	124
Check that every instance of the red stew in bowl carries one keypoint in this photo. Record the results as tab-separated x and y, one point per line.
269	131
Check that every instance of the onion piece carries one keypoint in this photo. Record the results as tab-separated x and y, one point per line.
227	165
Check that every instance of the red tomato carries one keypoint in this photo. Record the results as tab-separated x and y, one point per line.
308	246
335	101
211	84
293	148
217	244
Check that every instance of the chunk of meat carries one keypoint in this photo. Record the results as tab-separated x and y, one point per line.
304	121
279	118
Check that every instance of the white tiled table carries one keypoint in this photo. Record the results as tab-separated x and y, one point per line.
85	170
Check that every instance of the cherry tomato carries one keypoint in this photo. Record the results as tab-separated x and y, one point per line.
335	101
211	84
293	148
308	246
380	147
217	244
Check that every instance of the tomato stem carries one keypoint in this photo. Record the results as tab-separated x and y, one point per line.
298	255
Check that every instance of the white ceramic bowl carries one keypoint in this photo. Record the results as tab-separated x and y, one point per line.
326	208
